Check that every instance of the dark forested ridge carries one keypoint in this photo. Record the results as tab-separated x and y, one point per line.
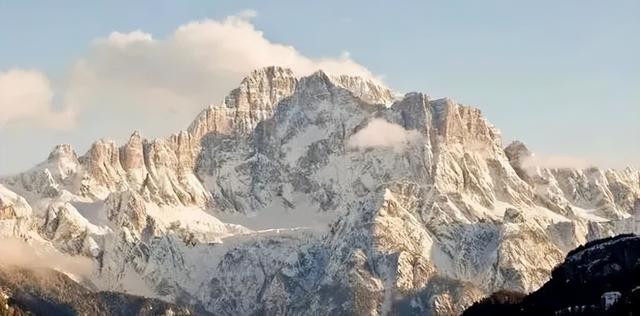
599	278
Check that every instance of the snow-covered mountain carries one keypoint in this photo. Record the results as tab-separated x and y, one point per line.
318	195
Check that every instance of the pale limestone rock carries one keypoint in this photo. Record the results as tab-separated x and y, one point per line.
246	105
427	229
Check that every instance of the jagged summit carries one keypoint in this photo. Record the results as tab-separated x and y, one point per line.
252	102
246	105
135	134
258	94
368	90
62	151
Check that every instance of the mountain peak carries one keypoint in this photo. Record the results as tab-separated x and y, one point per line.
245	106
264	87
62	151
259	93
135	135
269	72
365	89
414	208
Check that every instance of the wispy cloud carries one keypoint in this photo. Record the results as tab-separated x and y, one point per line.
380	133
556	162
195	66
139	74
19	253
27	96
573	162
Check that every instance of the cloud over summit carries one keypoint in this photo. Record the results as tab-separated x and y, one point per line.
198	64
135	73
133	80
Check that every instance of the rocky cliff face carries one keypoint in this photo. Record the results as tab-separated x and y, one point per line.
353	200
15	214
160	170
247	105
608	194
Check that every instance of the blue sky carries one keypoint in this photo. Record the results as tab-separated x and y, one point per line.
562	76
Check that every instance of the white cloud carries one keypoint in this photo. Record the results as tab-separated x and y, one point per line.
558	162
197	65
159	83
135	80
124	39
26	96
19	253
380	133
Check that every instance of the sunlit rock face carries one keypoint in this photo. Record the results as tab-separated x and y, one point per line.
15	214
282	199
246	105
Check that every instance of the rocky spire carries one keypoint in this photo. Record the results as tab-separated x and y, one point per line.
132	156
463	124
62	151
245	106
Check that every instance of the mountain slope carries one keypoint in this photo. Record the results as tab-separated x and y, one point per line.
320	195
